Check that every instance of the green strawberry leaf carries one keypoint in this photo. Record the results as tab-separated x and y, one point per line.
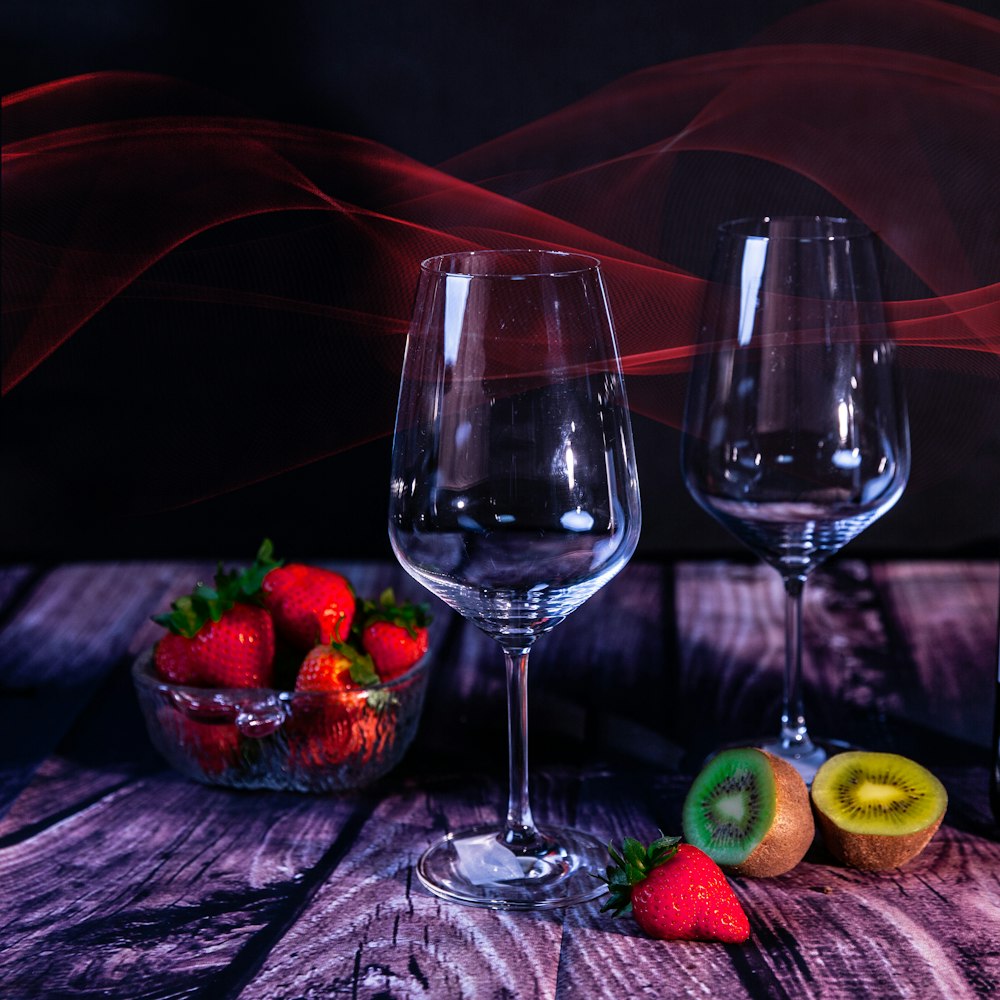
252	578
407	615
185	618
362	668
631	864
190	612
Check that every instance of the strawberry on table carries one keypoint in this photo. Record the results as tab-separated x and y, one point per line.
218	636
309	604
675	892
394	635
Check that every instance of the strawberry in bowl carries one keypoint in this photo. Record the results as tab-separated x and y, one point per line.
394	635
262	680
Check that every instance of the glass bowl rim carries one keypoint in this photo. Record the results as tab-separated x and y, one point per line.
142	671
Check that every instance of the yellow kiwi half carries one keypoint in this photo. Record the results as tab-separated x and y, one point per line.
749	811
876	810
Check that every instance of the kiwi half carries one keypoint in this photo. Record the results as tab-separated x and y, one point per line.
749	811
876	810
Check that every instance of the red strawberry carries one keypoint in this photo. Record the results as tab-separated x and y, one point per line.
310	605
237	651
329	730
213	747
325	731
394	635
335	667
219	637
675	892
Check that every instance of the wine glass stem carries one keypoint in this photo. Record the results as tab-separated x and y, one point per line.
519	832
794	734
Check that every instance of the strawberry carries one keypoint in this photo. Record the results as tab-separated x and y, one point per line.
335	667
325	731
212	747
219	636
237	651
394	635
329	730
675	892
309	604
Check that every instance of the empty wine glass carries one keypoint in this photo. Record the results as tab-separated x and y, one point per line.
795	433
513	498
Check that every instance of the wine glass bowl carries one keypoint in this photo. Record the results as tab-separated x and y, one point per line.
795	433
513	498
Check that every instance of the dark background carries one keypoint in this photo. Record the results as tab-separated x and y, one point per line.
430	81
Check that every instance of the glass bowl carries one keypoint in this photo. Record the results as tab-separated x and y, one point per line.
306	741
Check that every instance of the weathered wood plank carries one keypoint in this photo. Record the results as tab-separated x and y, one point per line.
929	929
76	624
155	888
730	651
606	677
947	623
124	881
59	787
79	619
600	685
212	874
374	931
859	675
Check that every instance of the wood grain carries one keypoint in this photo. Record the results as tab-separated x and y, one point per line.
373	931
66	636
941	622
160	882
730	623
120	879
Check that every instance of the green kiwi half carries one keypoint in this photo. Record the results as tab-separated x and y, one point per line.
749	811
876	810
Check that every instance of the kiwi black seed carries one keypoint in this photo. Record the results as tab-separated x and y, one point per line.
749	811
876	810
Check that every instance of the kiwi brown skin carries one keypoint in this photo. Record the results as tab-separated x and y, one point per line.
792	832
875	852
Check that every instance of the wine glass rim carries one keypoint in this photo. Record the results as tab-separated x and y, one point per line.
560	262
800	228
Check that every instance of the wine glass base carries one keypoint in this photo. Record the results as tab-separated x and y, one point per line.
477	868
806	760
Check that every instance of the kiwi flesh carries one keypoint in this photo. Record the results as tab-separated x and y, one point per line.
749	811
876	811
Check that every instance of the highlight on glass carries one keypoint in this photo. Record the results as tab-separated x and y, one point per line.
514	498
795	434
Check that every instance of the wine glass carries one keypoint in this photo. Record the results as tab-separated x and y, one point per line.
513	498
795	433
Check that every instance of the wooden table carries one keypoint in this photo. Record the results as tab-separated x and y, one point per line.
119	878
